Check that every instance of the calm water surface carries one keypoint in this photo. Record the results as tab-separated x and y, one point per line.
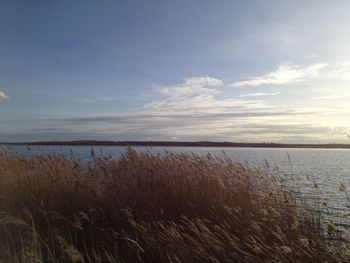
327	167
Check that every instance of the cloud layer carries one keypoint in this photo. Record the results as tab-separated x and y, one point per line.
313	107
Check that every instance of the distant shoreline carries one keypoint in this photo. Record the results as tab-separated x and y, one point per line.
177	143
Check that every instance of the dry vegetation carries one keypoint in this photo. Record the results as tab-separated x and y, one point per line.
151	208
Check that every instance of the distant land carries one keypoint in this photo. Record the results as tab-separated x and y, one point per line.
179	143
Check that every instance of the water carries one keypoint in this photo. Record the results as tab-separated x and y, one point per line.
328	168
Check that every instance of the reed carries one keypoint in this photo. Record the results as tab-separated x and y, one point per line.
155	208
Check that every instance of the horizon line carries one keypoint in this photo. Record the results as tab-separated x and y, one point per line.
179	143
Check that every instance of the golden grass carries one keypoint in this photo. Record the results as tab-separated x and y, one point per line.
152	208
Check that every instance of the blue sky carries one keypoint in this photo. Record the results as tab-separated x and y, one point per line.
262	71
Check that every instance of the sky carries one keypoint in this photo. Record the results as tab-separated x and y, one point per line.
242	71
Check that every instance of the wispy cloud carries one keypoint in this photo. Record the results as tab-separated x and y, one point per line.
200	94
260	94
254	126
3	96
330	97
205	108
284	74
111	98
192	85
340	71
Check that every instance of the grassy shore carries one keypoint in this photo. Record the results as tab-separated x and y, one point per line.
152	208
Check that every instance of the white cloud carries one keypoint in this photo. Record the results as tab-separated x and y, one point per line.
3	96
260	94
285	74
204	81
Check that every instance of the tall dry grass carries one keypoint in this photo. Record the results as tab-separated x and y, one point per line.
152	208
